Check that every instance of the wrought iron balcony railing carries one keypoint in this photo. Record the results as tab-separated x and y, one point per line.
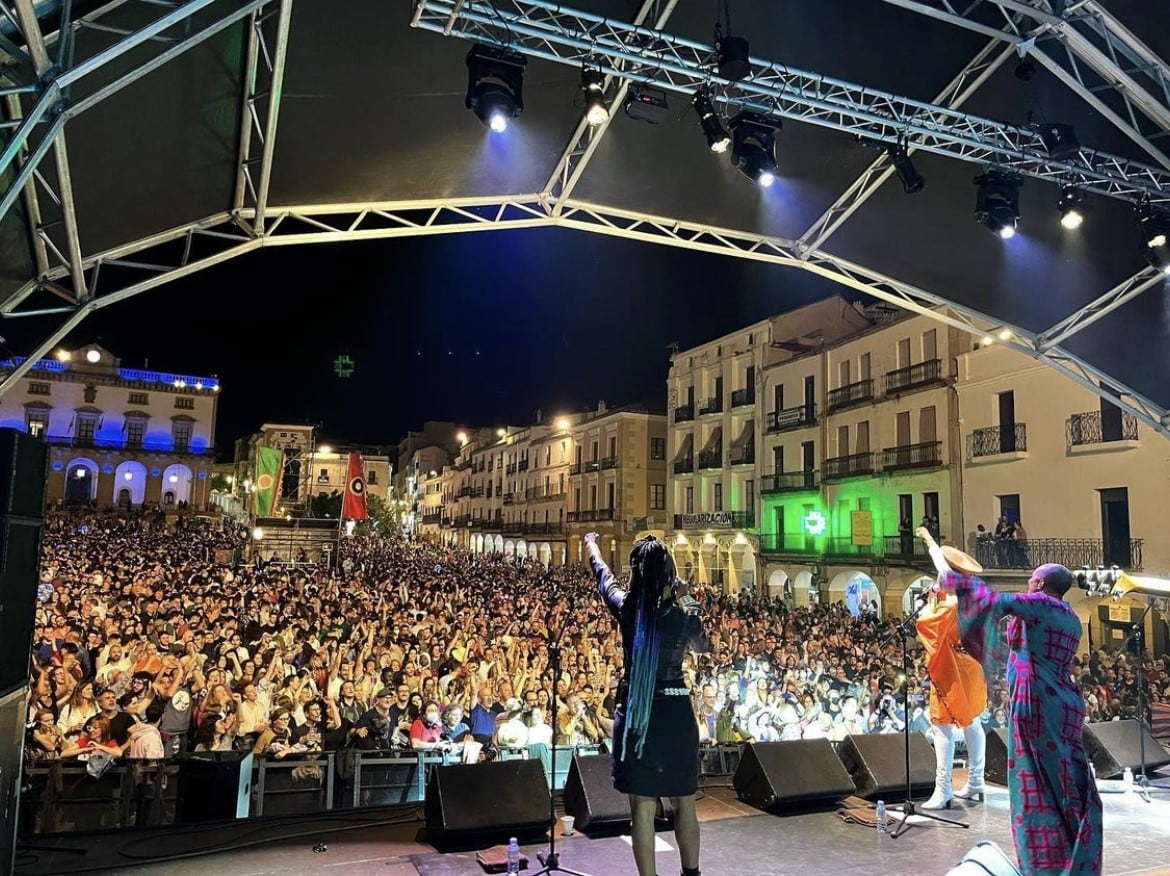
551	528
994	440
684	466
1071	552
912	376
711	458
904	546
714	405
745	455
508	498
684	413
851	394
1091	428
590	516
608	462
848	466
791	418
922	455
522	465
786	543
743	397
788	482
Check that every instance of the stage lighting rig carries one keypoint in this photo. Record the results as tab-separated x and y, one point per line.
753	146
1155	227
997	202
732	53
593	86
912	181
1060	140
718	140
495	85
1072	206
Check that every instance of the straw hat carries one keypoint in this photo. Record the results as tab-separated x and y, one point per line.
961	561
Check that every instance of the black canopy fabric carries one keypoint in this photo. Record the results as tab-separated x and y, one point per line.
371	113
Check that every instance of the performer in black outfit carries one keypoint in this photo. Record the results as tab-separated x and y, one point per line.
655	734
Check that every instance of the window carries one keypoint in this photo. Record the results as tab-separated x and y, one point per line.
593	497
717	498
594	457
181	432
577	498
612	446
657	497
749	493
930	505
185	403
36	422
39	389
548	456
86	427
135	431
1009	507
139	398
610	496
658	448
372	477
689	504
323	476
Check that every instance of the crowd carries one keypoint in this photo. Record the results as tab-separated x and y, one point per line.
148	643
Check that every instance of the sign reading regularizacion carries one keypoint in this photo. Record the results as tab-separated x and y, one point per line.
713	518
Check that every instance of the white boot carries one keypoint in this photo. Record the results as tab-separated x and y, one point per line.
944	758
976	738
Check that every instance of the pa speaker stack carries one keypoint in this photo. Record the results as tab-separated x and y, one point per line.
498	800
877	764
805	772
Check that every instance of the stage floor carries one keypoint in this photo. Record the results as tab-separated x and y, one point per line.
736	839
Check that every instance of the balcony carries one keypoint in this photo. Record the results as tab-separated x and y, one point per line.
997	440
551	528
178	446
786	543
850	395
522	465
477	492
589	516
1090	429
713	406
490	524
745	455
790	482
684	466
429	518
508	498
1071	552
512	527
904	546
924	455
914	376
838	467
464	492
715	520
844	547
462	519
609	462
446	522
684	413
511	468
741	398
798	417
533	493
711	458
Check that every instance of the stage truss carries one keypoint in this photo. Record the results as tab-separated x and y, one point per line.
1082	45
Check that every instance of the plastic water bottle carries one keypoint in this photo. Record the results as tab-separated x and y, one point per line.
883	819
513	856
1127	780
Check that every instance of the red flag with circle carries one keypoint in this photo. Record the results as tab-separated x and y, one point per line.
354	507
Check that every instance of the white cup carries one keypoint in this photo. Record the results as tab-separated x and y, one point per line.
566	825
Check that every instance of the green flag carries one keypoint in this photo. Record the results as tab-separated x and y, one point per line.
269	461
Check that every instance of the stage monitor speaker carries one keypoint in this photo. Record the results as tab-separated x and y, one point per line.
23	461
779	774
1114	745
995	758
985	859
877	763
498	799
214	786
590	797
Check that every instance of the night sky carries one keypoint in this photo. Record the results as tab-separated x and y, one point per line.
481	328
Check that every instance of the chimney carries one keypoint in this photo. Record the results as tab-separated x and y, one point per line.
601	406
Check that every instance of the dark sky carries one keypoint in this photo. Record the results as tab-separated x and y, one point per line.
481	328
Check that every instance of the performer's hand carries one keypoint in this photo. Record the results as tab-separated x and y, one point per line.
923	533
591	538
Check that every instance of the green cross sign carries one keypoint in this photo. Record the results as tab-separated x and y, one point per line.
814	523
343	366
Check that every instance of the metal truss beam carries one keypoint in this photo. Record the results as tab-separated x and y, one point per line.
1124	291
263	87
966	82
586	137
547	30
1091	72
191	248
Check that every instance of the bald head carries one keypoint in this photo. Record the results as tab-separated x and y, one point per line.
1053	578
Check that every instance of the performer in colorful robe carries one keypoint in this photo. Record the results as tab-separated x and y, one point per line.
1055	808
958	690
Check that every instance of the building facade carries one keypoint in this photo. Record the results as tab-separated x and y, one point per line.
118	437
329	469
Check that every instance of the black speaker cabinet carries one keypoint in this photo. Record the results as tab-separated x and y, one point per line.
995	768
877	764
592	800
214	786
772	775
509	798
23	462
1114	745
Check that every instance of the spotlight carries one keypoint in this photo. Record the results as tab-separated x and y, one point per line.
495	86
753	147
1072	207
717	138
731	54
997	203
1155	226
1060	140
912	180
593	84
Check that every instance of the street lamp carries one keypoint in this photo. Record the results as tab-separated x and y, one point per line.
562	423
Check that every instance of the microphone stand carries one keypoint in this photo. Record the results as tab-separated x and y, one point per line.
904	629
549	859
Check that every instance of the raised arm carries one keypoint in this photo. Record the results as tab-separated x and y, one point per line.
936	555
607	584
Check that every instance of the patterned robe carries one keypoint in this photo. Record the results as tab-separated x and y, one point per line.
1055	808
